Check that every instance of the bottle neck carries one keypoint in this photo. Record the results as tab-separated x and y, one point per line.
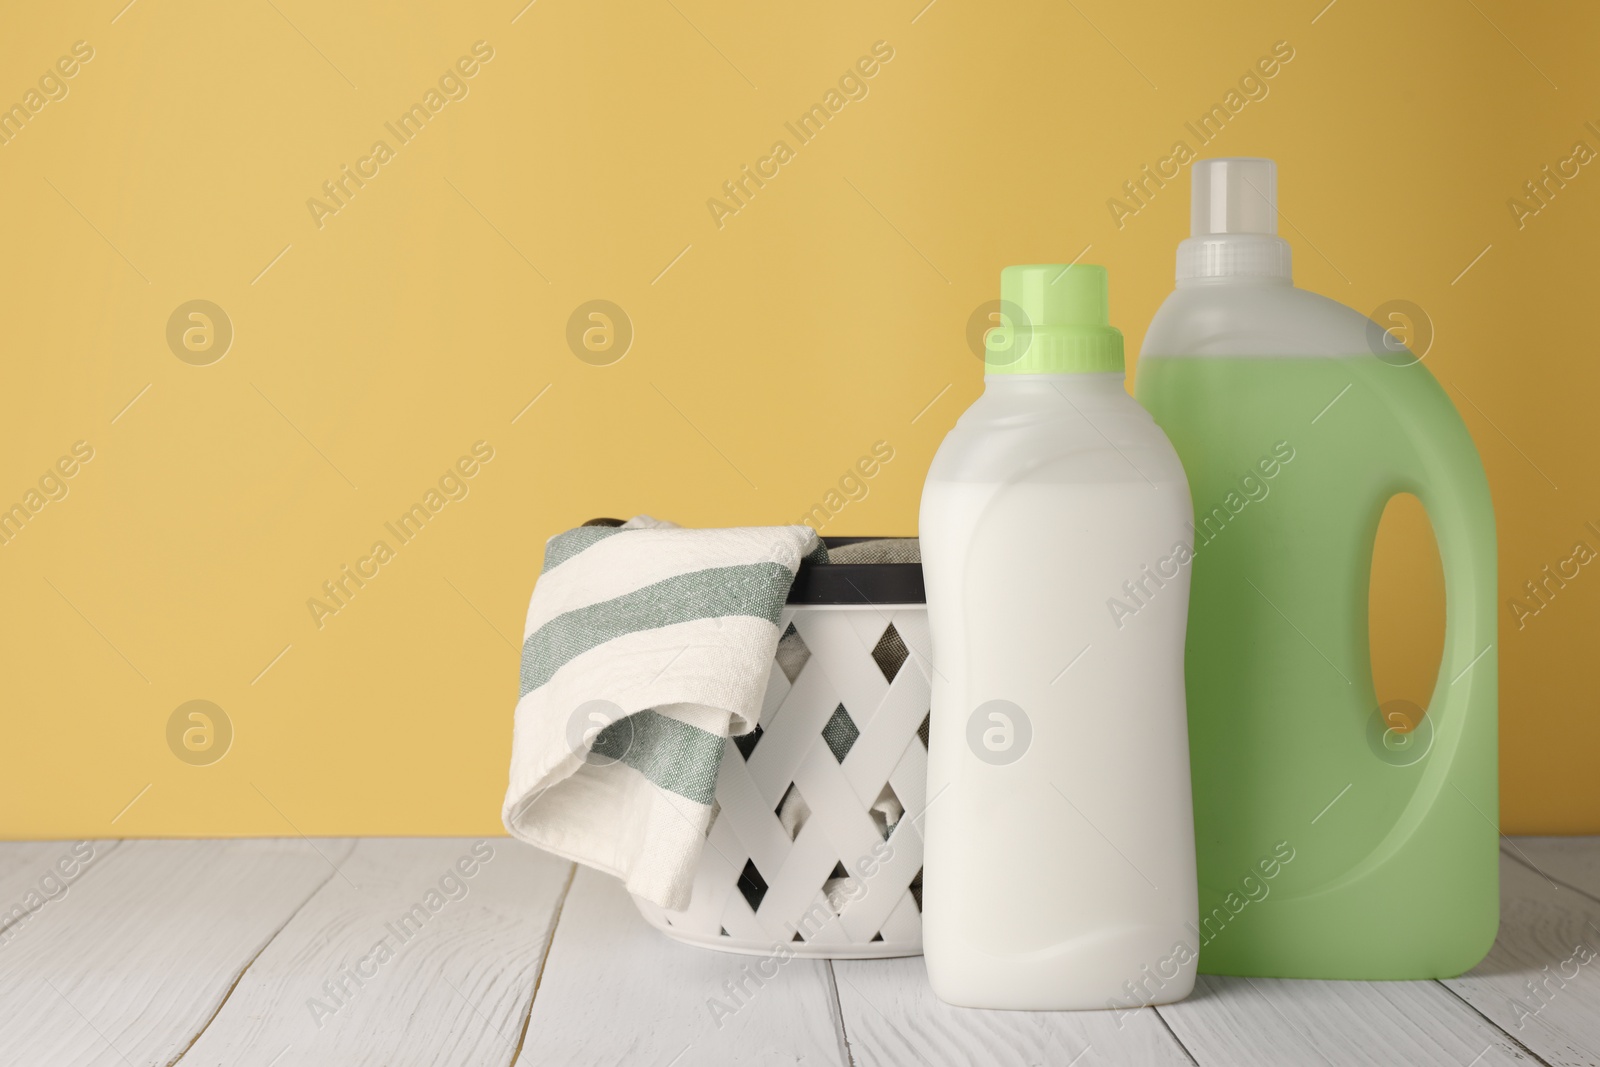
1076	384
1234	258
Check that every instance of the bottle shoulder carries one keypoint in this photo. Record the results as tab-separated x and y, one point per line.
1042	433
1256	320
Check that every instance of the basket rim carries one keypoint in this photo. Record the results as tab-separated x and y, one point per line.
857	583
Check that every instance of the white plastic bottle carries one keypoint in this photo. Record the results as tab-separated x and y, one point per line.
1059	871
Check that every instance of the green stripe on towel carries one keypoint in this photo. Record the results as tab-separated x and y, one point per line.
563	546
755	590
670	753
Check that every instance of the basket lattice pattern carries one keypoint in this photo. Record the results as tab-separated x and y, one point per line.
844	727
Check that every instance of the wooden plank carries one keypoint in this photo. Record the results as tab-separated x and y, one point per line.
1541	982
1573	860
426	956
37	874
891	1017
1242	1022
134	957
129	965
616	991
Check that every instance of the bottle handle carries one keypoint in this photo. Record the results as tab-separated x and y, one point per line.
1447	477
1453	489
1455	495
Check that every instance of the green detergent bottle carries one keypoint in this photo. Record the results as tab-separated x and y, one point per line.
1335	838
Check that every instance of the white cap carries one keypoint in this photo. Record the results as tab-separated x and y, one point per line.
1233	221
1233	196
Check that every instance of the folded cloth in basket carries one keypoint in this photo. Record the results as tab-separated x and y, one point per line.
646	646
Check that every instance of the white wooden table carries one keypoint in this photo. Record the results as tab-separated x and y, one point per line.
431	952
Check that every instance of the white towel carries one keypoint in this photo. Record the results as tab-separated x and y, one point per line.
646	647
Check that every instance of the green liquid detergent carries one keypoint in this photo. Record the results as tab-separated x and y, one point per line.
1334	838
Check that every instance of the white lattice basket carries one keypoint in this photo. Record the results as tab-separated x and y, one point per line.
816	843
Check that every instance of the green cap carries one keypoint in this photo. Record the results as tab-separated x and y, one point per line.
1053	320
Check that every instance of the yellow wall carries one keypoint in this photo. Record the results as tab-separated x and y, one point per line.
823	316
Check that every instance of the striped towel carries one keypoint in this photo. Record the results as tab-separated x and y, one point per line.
646	646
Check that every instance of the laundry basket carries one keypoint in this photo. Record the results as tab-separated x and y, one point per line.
815	843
